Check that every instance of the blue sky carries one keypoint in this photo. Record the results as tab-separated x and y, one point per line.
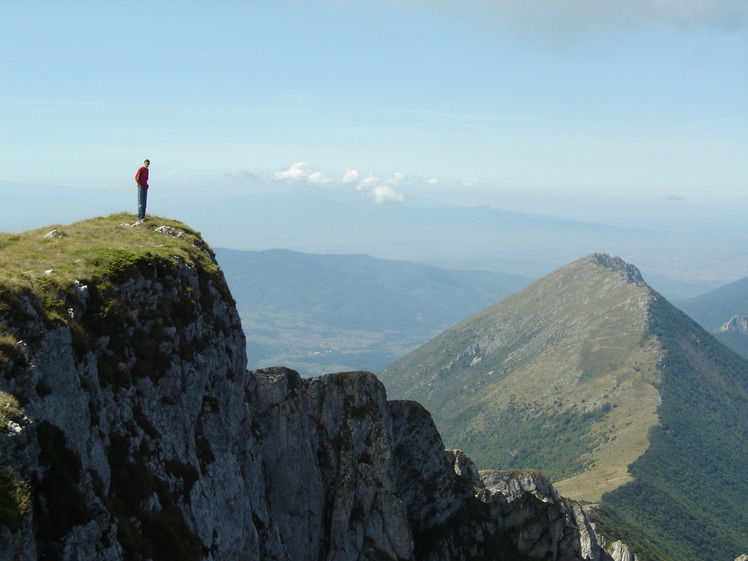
540	106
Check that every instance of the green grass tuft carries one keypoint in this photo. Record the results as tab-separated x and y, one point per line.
15	498
7	347
10	410
15	494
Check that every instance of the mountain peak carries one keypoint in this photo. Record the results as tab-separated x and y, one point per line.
631	272
591	377
572	346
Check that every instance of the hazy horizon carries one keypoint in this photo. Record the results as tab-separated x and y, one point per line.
680	249
326	126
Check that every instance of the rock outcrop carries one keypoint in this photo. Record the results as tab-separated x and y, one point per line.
738	324
142	436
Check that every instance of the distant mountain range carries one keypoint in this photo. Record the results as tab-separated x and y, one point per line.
620	398
330	313
734	334
714	308
720	311
459	238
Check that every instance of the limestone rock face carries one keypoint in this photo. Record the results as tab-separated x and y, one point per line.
619	551
139	441
631	272
326	453
145	438
541	523
737	324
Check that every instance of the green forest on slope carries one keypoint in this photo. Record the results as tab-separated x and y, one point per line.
688	500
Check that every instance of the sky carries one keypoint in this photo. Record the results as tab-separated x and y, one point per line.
603	110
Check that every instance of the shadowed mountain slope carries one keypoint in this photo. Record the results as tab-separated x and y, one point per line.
594	378
713	309
722	312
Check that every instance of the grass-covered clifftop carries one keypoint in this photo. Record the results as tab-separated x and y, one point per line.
75	274
50	260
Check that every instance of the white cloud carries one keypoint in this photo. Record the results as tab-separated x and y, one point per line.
368	182
300	171
383	194
691	13
351	176
389	189
296	171
317	177
381	190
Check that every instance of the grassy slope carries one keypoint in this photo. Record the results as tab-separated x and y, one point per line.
689	497
92	249
558	377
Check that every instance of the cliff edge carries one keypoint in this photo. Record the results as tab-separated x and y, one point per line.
130	429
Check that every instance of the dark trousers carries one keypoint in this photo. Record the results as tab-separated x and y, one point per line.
142	201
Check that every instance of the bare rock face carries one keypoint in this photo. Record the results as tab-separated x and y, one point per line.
630	272
139	444
619	551
737	324
143	437
329	485
541	523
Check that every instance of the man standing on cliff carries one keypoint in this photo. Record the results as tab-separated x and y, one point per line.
141	180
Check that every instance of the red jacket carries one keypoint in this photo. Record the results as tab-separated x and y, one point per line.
141	177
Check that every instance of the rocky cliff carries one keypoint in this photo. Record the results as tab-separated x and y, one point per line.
737	324
130	430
